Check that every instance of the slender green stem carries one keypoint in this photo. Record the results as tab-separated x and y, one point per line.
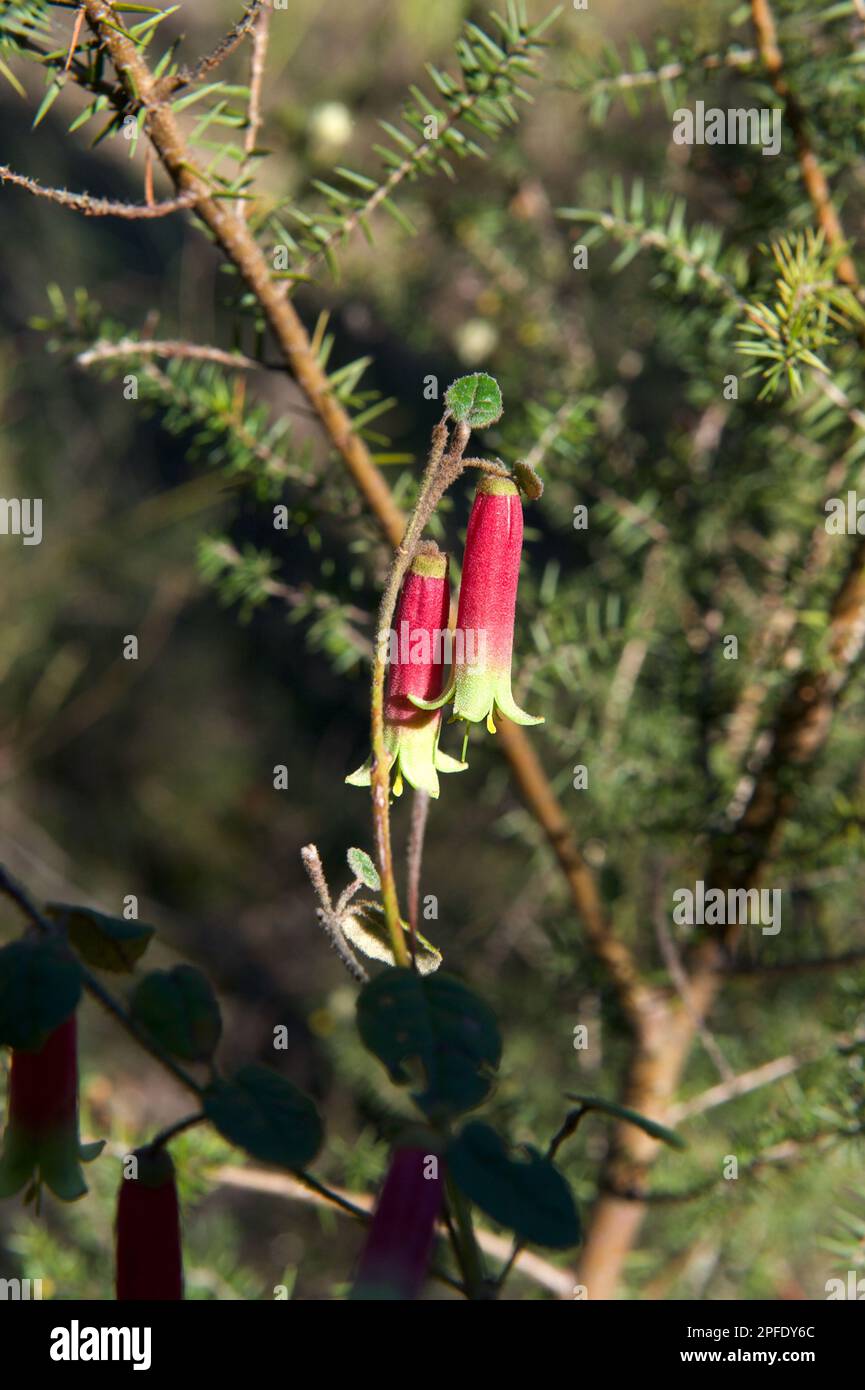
343	1203
565	1130
166	1135
467	1246
419	813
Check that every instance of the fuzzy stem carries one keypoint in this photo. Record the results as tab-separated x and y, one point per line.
420	811
171	1131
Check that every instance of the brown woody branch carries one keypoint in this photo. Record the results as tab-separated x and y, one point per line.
238	244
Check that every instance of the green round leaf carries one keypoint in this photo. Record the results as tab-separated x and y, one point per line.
178	1008
437	1022
475	399
265	1115
40	986
363	868
529	1196
108	943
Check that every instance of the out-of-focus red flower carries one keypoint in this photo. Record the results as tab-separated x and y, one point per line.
41	1143
149	1250
394	1261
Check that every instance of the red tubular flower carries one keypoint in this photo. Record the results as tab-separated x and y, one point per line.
400	1240
411	735
149	1252
481	682
41	1139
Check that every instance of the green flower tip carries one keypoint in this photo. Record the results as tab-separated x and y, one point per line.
413	755
430	565
491	485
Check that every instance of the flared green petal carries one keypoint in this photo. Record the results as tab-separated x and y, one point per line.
363	775
446	695
415	756
445	763
475	693
17	1163
480	695
507	705
60	1168
54	1160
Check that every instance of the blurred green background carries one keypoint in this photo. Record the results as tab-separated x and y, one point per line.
155	777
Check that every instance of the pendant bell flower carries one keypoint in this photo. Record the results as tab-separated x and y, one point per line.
481	683
395	1257
41	1143
411	734
149	1250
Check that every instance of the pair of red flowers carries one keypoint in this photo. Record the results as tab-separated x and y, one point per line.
480	683
41	1145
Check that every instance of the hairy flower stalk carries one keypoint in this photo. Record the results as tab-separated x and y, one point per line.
41	1143
149	1251
395	1257
481	682
411	735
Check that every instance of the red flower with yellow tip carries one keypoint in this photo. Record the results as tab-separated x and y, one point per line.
481	686
411	734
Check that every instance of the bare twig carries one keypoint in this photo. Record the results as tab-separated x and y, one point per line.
678	975
419	812
187	76
108	351
735	59
73	43
328	916
256	82
96	207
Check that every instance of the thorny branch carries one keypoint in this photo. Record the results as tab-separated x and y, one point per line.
97	207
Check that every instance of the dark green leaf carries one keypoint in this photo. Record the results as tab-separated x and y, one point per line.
527	1195
178	1008
265	1115
108	943
40	986
438	1023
